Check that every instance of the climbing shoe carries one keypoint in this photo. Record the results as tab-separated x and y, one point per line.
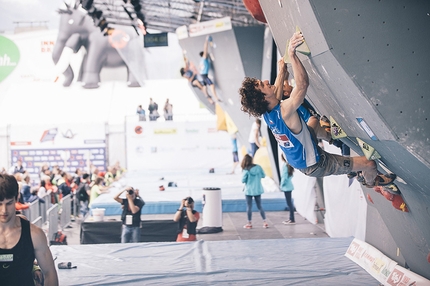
384	180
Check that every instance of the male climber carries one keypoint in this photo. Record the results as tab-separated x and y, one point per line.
204	66
297	141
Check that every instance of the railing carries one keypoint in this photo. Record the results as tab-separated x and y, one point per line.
52	215
38	222
40	213
65	216
43	207
34	210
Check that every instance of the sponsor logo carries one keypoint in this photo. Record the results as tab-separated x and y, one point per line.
395	277
138	129
165	131
9	57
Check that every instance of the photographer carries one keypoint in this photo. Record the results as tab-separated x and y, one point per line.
132	208
187	219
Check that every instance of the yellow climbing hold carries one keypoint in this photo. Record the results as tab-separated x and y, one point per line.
369	151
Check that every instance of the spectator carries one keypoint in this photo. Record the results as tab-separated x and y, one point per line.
287	187
17	168
94	172
254	136
24	240
141	112
55	175
168	111
97	189
251	176
77	176
187	220
34	196
83	193
26	189
43	170
19	204
42	190
131	211
109	176
151	109
64	184
235	153
119	170
155	113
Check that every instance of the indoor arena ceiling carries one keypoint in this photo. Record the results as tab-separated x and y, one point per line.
167	15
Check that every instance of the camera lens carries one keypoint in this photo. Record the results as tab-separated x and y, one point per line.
130	192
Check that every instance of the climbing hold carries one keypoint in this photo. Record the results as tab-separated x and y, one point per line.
254	8
369	151
335	130
369	198
303	48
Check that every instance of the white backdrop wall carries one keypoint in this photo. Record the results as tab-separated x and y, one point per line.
346	206
177	145
116	150
4	147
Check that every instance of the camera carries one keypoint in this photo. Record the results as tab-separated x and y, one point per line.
189	200
131	191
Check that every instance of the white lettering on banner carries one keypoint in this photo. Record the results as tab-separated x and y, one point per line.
5	61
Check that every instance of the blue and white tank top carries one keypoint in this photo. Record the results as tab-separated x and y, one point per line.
300	150
304	113
204	65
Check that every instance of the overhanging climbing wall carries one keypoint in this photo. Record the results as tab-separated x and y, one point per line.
369	61
234	53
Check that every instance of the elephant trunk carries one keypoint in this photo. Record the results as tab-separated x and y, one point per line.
61	55
63	62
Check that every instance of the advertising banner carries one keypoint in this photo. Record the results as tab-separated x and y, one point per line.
382	268
9	57
69	146
177	145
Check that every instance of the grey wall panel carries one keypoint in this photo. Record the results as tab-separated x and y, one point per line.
368	60
383	46
235	54
377	232
250	41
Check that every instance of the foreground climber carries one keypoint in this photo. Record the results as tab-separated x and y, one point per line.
297	141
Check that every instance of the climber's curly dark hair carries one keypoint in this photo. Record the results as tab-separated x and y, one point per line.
251	98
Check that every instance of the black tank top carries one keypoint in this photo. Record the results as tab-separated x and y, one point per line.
16	264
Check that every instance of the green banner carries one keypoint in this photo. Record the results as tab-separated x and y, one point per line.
9	57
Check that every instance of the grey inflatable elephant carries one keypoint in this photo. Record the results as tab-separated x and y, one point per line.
77	30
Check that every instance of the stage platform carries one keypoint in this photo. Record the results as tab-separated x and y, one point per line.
189	183
315	261
109	230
